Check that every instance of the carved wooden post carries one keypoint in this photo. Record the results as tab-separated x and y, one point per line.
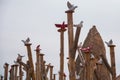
61	30
70	40
28	71
92	68
61	53
41	64
38	75
15	71
87	62
6	71
113	66
20	72
30	59
51	72
12	72
44	72
47	69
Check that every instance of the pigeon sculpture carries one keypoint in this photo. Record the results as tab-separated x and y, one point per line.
109	43
38	48
26	41
19	58
79	25
70	6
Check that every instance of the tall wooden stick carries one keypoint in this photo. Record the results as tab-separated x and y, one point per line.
87	67
38	65
30	60
61	53
70	41
15	71
51	72
6	71
41	64
113	66
12	74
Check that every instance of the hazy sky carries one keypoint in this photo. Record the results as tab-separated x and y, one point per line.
20	19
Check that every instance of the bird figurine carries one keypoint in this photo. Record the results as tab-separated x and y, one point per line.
62	26
100	61
92	56
19	58
109	43
71	7
38	48
79	25
26	41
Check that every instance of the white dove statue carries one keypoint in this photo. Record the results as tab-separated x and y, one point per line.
109	43
79	25
26	41
71	7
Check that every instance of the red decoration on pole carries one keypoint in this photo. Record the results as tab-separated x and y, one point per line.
61	26
87	49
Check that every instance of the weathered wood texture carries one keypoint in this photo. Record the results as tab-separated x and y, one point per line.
93	38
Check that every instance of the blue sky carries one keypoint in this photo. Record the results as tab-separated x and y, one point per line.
20	19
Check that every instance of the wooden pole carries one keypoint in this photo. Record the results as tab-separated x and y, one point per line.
30	60
12	72
28	71
15	71
87	67
41	64
20	72
75	43
61	53
47	69
38	65
70	41
92	68
6	71
51	72
113	66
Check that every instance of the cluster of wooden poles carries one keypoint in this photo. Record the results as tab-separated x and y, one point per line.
40	72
